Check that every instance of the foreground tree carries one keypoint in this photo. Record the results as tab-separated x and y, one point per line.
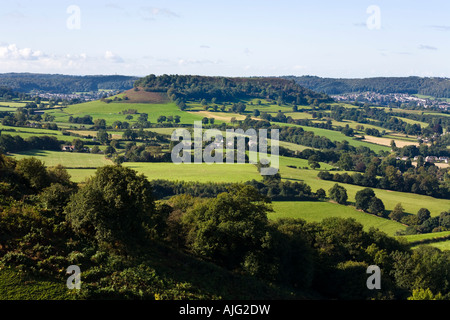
116	206
226	229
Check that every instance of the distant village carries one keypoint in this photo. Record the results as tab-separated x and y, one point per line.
396	99
82	96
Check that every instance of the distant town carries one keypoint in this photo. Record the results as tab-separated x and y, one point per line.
394	100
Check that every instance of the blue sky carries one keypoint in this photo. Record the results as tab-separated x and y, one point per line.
227	38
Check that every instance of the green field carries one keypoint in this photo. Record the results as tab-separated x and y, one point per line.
13	104
67	159
316	211
32	132
338	136
442	245
411	202
196	172
111	111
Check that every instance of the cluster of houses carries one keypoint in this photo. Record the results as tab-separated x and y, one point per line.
431	159
385	99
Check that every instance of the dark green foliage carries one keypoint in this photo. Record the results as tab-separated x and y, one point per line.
10	143
187	87
227	228
411	85
186	247
55	83
338	193
363	198
376	207
116	205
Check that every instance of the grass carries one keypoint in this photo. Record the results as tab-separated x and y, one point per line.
411	202
25	133
111	111
67	159
338	136
13	104
196	172
442	245
317	211
426	236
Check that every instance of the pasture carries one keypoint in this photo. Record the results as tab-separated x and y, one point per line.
112	112
196	172
411	202
67	159
312	211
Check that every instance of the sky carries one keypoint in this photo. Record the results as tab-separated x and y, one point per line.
325	38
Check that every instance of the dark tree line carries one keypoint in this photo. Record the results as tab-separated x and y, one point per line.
188	87
426	179
436	87
53	83
10	143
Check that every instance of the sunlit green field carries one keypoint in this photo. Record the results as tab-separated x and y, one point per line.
196	172
338	136
33	132
111	112
443	245
67	159
411	202
317	211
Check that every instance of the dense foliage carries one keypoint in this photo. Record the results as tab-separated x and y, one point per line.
132	246
436	87
187	87
56	83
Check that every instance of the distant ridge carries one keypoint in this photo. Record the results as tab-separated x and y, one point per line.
66	84
431	86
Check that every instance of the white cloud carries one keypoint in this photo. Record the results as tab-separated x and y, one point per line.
110	56
15	59
11	52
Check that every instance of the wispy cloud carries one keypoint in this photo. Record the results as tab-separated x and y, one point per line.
426	47
360	24
187	62
151	13
440	27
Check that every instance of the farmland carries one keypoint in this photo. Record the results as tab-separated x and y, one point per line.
317	211
120	158
67	159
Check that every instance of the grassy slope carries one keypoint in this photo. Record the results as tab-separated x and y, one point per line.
196	172
317	211
111	111
410	202
67	159
443	245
